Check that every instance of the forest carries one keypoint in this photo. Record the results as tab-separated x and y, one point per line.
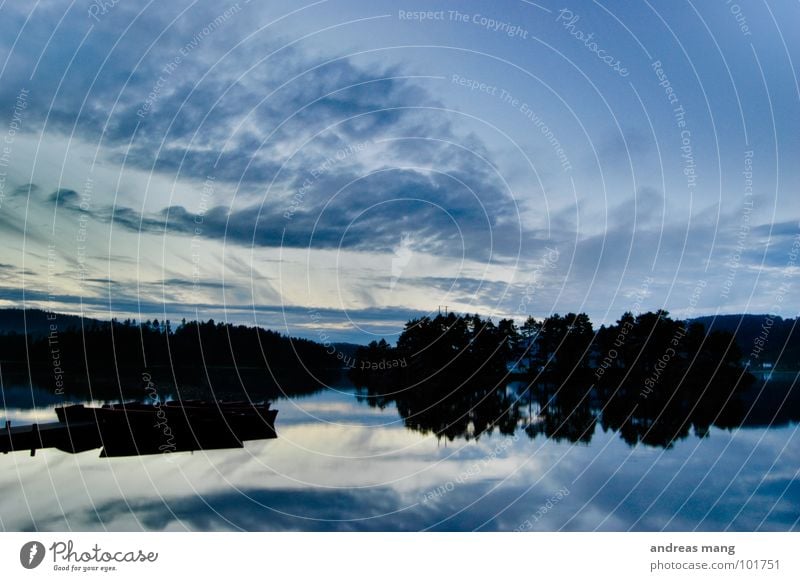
650	377
103	359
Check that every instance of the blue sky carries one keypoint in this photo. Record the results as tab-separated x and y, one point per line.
334	168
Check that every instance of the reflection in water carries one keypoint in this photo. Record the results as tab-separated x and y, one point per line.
570	409
476	444
340	465
651	379
468	411
458	404
564	414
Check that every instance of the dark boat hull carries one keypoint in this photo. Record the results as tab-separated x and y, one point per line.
131	429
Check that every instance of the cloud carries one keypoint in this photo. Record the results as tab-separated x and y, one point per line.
200	110
790	228
320	145
461	212
267	126
103	298
463	289
65	197
257	510
25	190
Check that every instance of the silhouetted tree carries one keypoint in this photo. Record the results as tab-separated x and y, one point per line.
562	347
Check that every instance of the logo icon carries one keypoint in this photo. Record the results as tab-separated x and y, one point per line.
31	554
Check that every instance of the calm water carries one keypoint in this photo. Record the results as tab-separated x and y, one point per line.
339	464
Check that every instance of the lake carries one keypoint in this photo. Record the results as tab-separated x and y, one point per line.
339	464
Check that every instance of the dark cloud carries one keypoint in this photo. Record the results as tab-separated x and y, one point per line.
26	189
463	289
65	197
623	147
12	224
180	282
461	212
125	300
778	229
266	125
646	208
190	113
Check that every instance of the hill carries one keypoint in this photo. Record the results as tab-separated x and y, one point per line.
36	322
762	338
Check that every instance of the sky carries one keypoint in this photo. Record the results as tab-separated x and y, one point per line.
332	169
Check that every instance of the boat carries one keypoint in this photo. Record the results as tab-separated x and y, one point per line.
135	428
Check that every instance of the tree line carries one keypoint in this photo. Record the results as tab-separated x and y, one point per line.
648	348
94	354
650	377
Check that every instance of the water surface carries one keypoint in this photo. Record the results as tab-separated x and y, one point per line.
339	464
